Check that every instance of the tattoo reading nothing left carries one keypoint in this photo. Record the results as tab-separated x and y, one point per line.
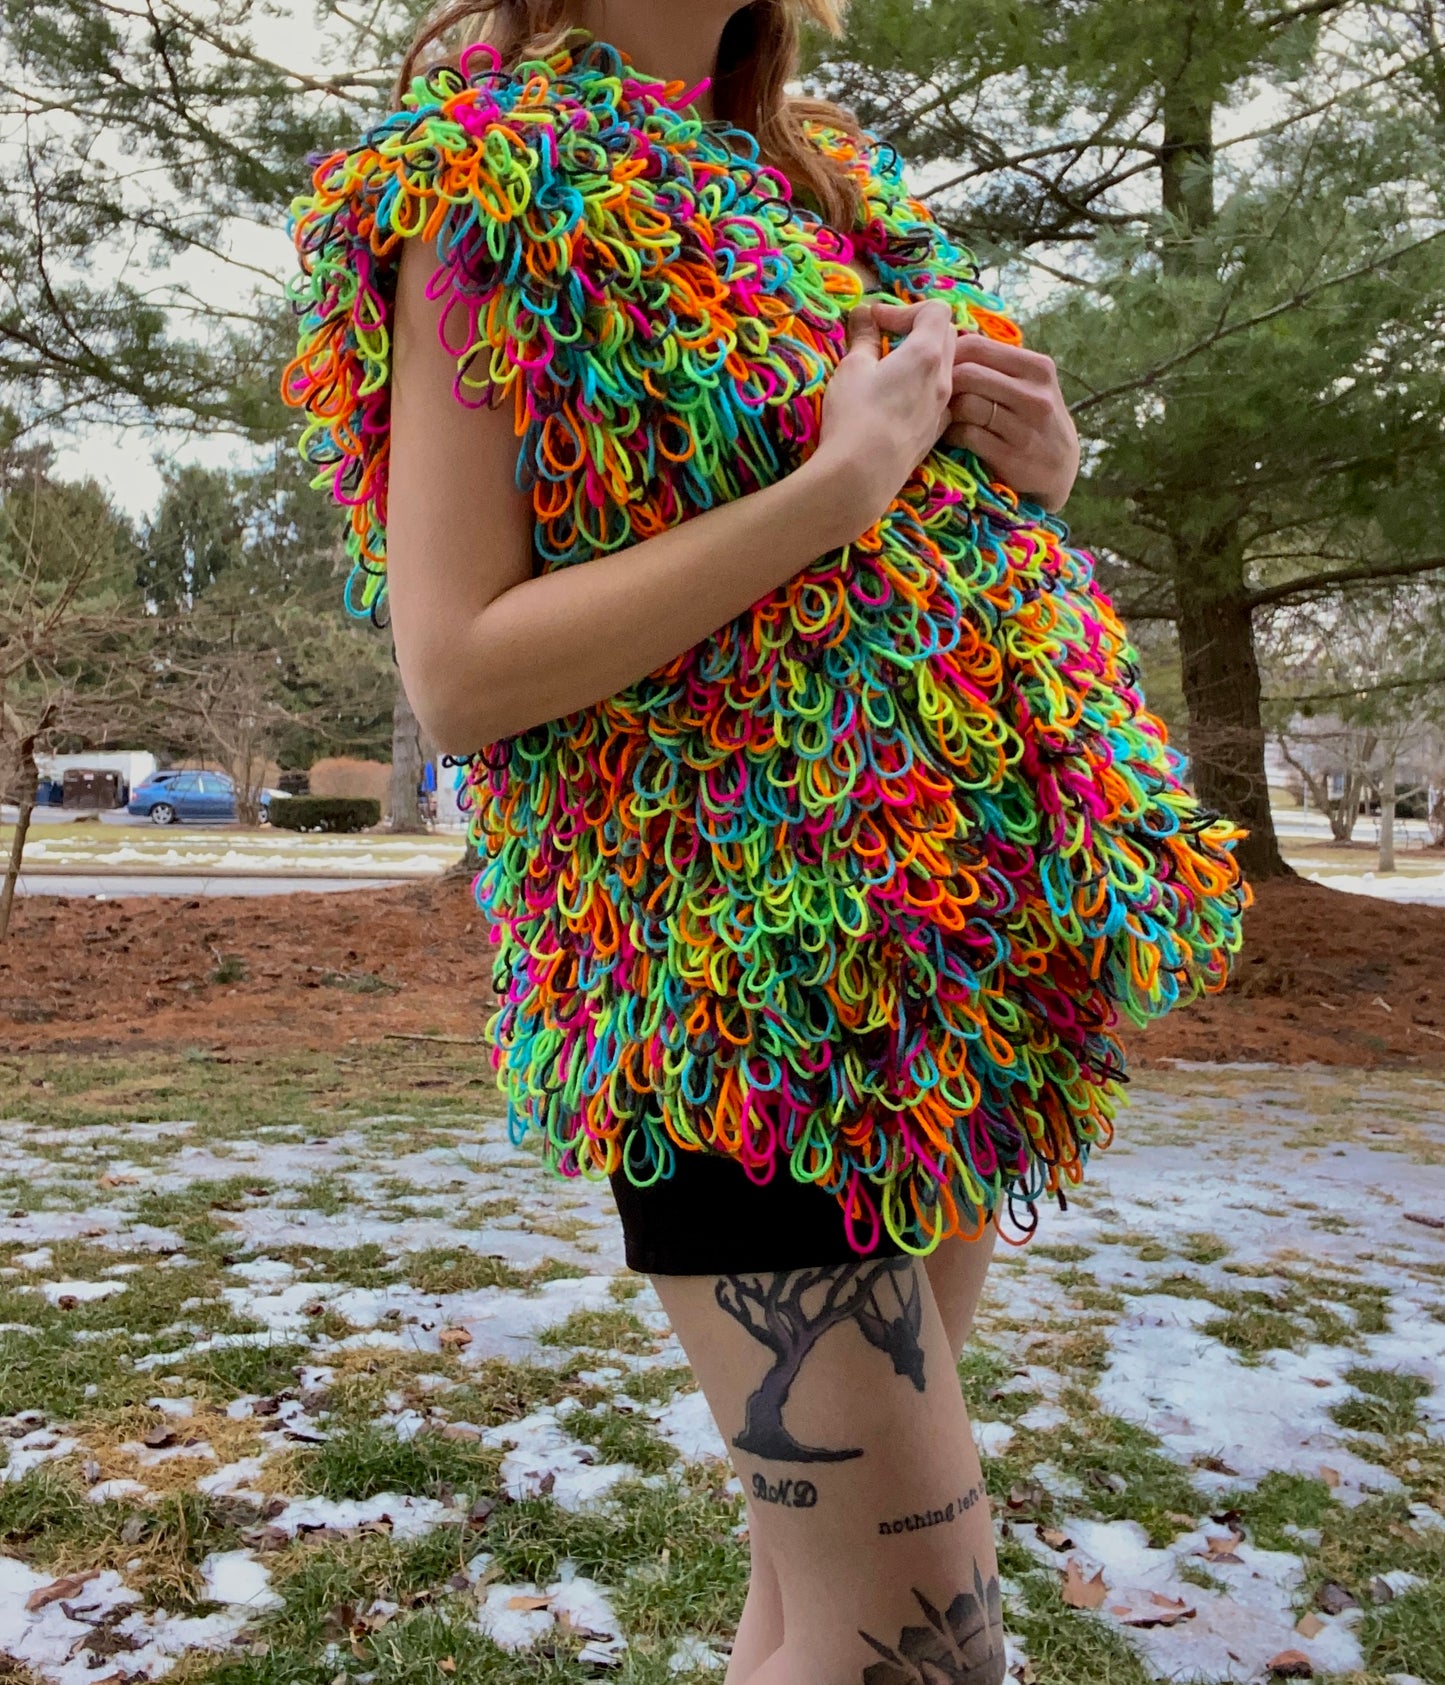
920	1519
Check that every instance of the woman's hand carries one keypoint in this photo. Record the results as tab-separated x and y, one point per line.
883	414
1007	408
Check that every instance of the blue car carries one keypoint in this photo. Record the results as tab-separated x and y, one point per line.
203	797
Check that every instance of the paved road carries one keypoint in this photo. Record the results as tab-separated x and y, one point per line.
152	883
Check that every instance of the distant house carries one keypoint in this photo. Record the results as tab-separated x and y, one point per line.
1323	754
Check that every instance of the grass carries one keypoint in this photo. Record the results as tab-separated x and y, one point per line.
312	1161
670	1549
619	1437
1408	1635
459	1270
1386	1401
608	1331
47	1521
361	1462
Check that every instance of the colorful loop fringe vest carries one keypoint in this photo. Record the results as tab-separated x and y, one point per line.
858	889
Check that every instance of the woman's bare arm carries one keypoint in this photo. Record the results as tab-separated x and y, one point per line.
486	650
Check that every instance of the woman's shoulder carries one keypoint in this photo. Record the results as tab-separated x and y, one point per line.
457	128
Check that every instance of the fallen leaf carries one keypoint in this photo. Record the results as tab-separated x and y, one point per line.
1055	1538
447	1665
1309	1625
522	1601
52	1593
579	1629
111	1180
1158	1611
1331	1477
450	1339
1222	1547
1291	1664
157	1437
459	1430
1107	1480
1079	1593
1334	1599
1381	1591
1215	1465
67	1302
1026	1495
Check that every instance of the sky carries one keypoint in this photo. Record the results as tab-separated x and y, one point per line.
129	462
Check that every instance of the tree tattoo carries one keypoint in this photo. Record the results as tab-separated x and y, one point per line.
790	1310
963	1647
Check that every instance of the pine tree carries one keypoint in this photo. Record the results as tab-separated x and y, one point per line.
1223	218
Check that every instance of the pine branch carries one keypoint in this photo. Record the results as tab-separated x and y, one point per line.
1297	300
1328	583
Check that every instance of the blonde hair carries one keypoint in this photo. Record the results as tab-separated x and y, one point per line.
757	57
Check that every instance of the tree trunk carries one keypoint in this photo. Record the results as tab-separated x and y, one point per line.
407	762
1222	690
1216	631
1387	813
1186	164
29	783
763	1432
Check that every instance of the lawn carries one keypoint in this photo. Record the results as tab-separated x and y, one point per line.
309	1374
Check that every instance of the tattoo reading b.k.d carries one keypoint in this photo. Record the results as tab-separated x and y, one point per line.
951	1511
963	1646
791	1494
790	1310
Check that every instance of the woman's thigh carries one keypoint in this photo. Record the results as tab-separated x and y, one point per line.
956	1272
837	1392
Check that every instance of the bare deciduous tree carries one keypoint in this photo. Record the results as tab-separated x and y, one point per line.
74	662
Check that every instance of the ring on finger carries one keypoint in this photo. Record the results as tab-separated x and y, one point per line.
988	425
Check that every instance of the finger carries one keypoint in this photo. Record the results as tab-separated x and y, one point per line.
898	317
1030	402
989	419
1015	360
930	321
864	337
992	451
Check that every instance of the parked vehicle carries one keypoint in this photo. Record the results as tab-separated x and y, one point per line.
196	797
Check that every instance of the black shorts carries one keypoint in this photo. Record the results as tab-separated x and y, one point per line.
710	1218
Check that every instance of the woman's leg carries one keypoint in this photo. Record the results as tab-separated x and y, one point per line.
956	1272
837	1391
760	1631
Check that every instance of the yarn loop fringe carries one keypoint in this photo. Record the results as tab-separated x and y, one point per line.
861	888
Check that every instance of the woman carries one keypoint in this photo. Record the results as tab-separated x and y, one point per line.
826	836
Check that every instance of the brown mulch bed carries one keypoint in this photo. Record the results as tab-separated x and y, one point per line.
1342	979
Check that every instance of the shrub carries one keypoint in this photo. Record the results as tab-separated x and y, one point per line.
325	813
